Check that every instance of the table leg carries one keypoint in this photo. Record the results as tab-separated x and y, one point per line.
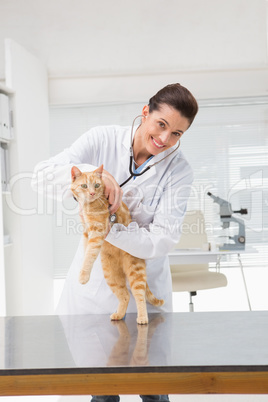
244	279
218	263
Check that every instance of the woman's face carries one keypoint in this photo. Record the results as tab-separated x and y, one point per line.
161	129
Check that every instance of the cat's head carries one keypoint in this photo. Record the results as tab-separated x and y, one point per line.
87	186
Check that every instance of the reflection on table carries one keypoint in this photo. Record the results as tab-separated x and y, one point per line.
174	353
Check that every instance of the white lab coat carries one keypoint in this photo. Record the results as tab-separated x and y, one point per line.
157	203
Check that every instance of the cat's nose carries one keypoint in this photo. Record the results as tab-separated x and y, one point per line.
92	194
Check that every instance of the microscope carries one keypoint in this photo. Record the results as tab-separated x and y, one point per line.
226	218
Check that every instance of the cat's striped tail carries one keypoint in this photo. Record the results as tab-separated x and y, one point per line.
152	299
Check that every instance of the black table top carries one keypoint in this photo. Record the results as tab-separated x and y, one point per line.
171	342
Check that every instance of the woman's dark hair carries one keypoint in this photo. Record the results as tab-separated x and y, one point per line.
178	97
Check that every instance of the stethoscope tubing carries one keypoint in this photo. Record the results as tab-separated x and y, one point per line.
132	174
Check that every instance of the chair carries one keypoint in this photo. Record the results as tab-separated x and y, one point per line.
191	278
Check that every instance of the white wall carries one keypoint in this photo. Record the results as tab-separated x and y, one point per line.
120	50
139	88
29	261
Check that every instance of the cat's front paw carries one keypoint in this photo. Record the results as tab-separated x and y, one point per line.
84	277
116	317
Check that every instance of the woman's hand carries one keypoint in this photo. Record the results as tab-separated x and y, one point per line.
113	191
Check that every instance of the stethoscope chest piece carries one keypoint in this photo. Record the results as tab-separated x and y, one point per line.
112	218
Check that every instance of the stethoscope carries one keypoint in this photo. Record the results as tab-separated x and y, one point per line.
131	158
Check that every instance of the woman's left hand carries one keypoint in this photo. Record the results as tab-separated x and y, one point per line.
113	192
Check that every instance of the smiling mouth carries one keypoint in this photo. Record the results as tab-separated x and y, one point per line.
157	144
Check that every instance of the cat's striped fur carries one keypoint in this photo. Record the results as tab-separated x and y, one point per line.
118	266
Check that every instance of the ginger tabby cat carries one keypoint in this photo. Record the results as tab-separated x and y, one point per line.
118	266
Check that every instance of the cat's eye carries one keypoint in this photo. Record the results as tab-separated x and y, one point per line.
84	185
97	185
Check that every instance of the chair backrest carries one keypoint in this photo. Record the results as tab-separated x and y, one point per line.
193	236
193	231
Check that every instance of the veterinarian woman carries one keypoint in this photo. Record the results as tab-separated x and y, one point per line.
156	199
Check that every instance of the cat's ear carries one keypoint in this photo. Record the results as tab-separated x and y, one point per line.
99	170
75	173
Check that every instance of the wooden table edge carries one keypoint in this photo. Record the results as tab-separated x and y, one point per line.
135	383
